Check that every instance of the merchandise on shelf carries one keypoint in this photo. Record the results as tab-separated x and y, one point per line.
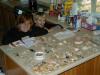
51	11
67	6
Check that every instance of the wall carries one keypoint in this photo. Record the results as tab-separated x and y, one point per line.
47	2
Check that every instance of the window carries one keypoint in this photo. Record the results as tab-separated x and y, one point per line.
98	6
86	5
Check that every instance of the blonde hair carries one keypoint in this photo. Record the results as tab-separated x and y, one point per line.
39	14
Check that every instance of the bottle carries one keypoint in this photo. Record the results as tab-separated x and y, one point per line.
60	7
59	16
33	5
51	10
1	73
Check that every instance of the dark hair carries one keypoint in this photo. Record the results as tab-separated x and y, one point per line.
24	17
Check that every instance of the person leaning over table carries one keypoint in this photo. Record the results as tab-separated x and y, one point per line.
23	28
27	27
41	26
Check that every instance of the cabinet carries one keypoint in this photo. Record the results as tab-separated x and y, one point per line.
7	17
9	66
12	68
91	67
2	61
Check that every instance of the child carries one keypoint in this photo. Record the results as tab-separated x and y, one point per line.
39	26
23	28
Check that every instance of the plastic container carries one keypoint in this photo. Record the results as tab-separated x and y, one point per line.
39	56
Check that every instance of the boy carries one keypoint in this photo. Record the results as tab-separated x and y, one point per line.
39	24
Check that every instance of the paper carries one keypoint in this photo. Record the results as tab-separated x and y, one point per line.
17	43
28	42
25	42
